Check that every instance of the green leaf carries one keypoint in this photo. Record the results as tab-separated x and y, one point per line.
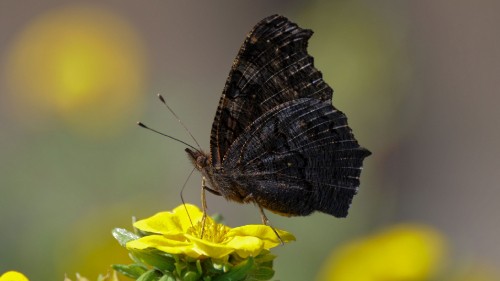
132	270
168	277
123	236
156	260
238	272
151	275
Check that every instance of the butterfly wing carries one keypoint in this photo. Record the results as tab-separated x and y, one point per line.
297	158
272	67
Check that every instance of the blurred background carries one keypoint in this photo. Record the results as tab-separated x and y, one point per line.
417	79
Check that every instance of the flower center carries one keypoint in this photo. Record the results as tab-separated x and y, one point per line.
212	231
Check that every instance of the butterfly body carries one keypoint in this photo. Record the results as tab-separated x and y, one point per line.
277	141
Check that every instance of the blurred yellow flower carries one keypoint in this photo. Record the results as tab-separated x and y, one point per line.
13	276
173	233
407	252
91	251
80	64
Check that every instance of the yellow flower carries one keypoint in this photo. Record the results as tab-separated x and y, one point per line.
13	276
407	252
173	233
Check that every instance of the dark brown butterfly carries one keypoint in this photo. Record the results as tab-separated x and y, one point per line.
276	140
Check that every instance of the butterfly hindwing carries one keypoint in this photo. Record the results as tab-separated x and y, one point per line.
301	157
272	67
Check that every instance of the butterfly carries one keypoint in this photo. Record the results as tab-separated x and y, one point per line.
276	140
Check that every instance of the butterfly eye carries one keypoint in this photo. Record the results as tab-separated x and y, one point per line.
201	161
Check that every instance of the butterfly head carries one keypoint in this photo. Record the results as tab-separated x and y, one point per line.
199	158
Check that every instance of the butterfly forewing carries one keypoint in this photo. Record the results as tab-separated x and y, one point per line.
272	67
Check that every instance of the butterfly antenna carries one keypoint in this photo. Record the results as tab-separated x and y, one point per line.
182	197
165	135
178	119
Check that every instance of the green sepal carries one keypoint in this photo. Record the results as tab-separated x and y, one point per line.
263	269
209	267
227	267
238	272
219	265
261	273
160	261
131	270
198	267
264	257
123	236
191	276
179	265
151	275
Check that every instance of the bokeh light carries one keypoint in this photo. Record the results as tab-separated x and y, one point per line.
80	64
403	252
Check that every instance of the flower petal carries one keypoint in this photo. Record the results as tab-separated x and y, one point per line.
160	223
264	232
246	245
163	244
170	223
188	215
210	249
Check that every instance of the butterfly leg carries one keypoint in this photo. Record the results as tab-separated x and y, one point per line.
203	206
265	220
204	188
